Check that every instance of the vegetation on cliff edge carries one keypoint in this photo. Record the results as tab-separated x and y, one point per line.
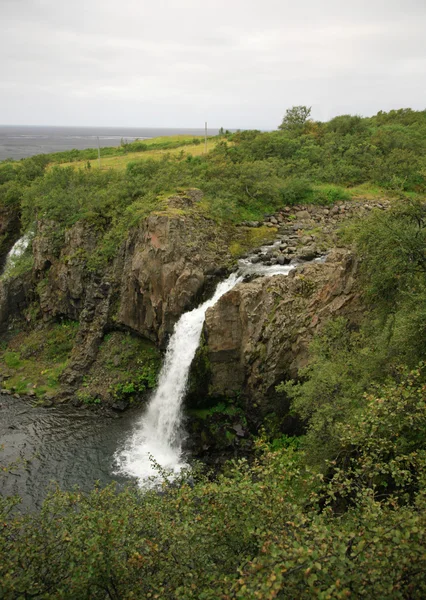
245	175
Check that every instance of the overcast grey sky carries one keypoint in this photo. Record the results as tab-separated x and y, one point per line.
234	63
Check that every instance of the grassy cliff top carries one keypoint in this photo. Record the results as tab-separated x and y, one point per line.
243	176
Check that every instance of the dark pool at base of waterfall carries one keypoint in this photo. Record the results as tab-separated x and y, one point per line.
61	444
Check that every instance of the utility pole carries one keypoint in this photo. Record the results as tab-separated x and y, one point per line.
205	139
99	154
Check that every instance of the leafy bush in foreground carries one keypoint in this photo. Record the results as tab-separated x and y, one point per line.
273	529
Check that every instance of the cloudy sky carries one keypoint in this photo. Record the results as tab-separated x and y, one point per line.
234	63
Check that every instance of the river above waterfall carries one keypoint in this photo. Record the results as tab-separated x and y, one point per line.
64	444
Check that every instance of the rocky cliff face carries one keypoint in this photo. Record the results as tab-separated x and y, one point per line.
60	269
258	333
10	224
14	297
161	270
255	336
168	263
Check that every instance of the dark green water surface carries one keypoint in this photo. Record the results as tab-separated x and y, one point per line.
63	444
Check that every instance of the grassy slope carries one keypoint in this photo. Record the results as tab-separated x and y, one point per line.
120	161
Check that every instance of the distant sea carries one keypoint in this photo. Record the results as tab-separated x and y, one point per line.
19	141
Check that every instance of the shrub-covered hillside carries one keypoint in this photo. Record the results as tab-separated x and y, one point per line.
244	176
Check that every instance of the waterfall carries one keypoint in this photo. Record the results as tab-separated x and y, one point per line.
159	433
17	251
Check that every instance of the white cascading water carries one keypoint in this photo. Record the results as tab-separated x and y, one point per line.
159	433
16	252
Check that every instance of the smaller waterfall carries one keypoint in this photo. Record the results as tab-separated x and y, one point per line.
159	432
16	252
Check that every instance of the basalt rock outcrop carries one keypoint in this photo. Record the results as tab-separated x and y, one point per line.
168	264
258	333
10	224
14	298
60	269
160	271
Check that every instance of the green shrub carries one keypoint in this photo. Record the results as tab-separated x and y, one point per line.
330	194
296	191
265	530
12	359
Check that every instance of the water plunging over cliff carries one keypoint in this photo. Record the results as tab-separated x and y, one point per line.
16	252
159	433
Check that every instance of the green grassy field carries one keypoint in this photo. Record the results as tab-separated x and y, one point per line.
119	161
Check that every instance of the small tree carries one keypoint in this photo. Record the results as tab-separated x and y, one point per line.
295	118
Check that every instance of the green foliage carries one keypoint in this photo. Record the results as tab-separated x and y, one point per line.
126	367
285	441
388	150
87	399
12	359
140	382
15	177
346	363
246	175
59	340
392	246
383	447
330	194
65	196
43	355
222	409
296	191
348	125
295	119
271	529
341	367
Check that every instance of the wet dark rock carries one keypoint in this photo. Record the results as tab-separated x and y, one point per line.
308	253
120	406
239	430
